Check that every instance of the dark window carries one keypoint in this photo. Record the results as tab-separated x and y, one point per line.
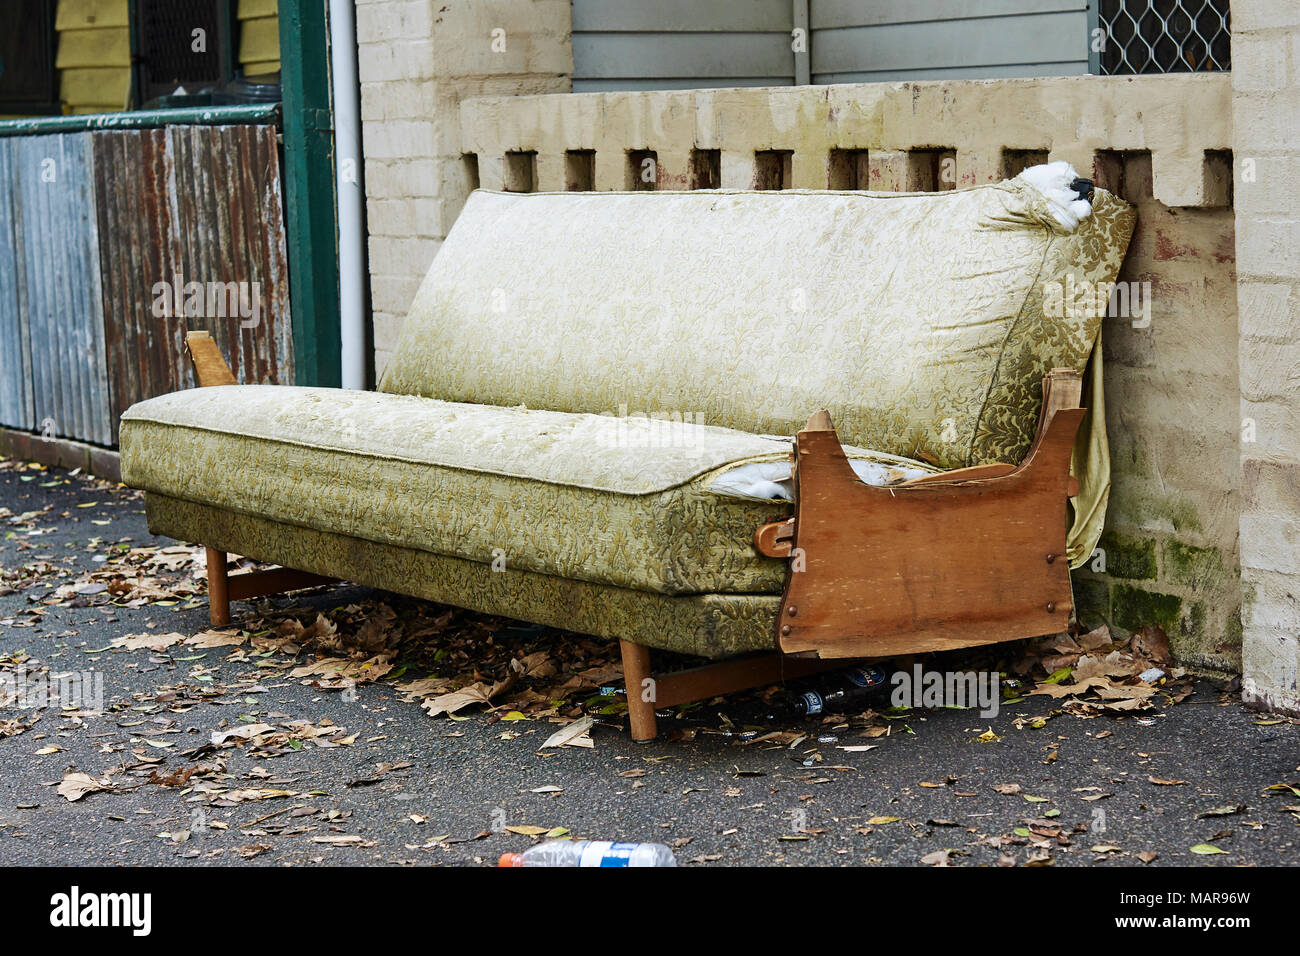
848	169
521	171
642	170
1163	36
182	43
28	83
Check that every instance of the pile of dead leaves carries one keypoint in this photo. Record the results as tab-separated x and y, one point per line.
1094	673
134	577
513	671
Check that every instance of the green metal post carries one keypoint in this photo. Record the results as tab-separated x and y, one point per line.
309	189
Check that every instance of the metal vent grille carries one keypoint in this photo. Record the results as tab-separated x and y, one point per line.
1164	36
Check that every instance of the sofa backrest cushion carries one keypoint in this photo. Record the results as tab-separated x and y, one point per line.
917	319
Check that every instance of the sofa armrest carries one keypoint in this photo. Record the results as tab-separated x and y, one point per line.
971	557
209	366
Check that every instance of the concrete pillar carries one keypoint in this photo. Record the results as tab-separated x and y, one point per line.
1266	161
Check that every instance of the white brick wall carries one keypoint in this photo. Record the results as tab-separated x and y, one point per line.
418	59
1266	116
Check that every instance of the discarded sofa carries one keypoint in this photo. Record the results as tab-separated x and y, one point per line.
595	420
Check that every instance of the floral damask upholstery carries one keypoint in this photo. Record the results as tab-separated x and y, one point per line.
626	502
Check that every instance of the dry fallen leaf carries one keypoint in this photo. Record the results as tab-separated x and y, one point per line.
476	693
1067	690
77	785
1152	643
246	732
575	734
216	638
152	642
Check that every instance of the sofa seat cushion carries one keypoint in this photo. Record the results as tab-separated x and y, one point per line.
619	501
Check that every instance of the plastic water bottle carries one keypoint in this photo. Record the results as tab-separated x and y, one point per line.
591	853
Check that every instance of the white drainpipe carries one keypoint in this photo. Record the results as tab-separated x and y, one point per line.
347	178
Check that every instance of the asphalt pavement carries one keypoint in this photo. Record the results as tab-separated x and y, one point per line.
404	788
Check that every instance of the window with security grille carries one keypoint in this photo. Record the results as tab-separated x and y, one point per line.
27	79
1164	36
181	43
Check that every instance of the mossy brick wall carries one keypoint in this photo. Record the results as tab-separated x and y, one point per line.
1170	546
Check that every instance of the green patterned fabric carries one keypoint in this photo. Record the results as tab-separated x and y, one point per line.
564	499
711	625
622	502
916	319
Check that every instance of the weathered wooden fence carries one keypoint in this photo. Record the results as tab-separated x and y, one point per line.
114	242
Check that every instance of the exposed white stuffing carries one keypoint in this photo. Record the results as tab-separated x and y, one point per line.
1053	181
770	480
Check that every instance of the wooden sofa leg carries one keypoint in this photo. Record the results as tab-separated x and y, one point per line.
640	712
218	588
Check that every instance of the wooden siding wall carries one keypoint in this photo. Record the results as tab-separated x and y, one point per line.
94	55
681	44
676	44
259	37
868	41
94	50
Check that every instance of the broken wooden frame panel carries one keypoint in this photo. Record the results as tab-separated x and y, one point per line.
967	557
